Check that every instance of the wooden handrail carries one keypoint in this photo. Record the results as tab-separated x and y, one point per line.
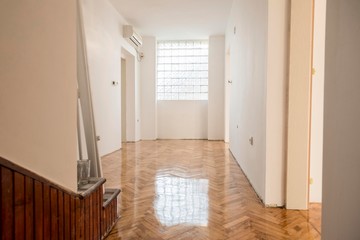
109	196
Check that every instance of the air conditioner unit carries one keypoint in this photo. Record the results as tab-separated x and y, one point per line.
129	33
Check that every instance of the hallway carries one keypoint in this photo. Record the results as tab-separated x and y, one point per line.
194	189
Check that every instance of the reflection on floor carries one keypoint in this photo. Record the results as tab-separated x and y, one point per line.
314	215
194	189
181	201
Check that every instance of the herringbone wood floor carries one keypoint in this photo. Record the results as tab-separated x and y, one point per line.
193	189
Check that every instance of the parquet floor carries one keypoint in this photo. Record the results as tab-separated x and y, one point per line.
194	189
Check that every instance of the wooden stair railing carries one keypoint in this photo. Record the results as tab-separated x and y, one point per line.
33	207
109	210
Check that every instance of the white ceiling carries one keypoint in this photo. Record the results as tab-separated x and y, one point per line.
176	19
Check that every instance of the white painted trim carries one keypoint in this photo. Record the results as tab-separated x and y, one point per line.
297	189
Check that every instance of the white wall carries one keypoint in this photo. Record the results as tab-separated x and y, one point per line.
276	100
104	41
248	89
216	113
38	88
182	119
317	105
341	178
148	89
259	70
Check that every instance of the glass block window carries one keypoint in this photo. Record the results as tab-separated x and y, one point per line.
182	70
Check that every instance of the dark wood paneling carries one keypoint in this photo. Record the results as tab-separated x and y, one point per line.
112	212
7	204
67	217
29	208
19	201
61	214
79	219
54	214
73	217
16	168
96	216
47	212
86	218
32	208
91	217
102	217
103	222
39	211
109	213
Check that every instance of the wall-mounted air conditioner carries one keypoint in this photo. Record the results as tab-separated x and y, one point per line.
129	33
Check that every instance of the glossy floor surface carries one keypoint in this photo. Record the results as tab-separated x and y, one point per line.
194	189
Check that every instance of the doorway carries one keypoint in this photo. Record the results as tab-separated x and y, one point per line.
305	117
129	97
317	103
123	100
227	83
